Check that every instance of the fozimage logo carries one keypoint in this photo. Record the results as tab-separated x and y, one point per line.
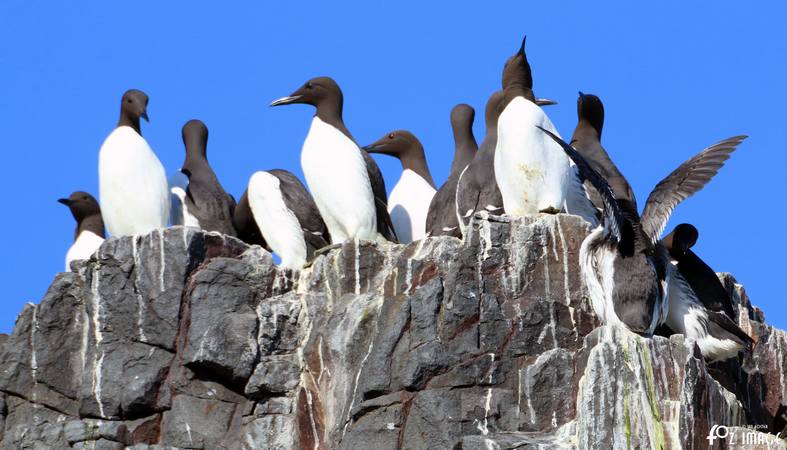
745	435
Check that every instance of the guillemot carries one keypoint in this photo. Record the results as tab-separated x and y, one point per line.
409	201
345	182
133	189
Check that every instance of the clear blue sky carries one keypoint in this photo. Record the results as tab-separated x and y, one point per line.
674	76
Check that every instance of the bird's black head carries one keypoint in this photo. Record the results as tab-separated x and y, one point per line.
399	143
462	116
195	138
81	205
682	238
590	108
516	72
321	92
133	106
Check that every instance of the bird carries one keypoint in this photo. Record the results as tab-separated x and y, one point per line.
89	233
409	201
441	217
625	267
702	279
344	180
133	189
476	188
699	304
286	216
587	141
531	175
205	201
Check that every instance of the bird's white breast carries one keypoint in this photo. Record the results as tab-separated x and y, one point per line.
336	173
134	192
531	169
83	247
179	212
277	223
408	206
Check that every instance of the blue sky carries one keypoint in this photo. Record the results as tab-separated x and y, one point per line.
674	77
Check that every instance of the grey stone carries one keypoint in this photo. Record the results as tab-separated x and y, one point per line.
186	339
276	374
222	333
195	422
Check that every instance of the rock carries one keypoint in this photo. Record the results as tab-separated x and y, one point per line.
186	339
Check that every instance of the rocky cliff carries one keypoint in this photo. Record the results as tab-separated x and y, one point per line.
187	339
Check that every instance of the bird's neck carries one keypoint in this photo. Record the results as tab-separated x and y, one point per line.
331	113
465	149
417	163
128	121
93	223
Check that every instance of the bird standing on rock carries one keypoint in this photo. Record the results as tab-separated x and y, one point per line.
587	141
286	216
133	189
89	234
627	270
205	201
441	217
345	181
531	175
698	284
409	202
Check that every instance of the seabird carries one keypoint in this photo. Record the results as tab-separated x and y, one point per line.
346	183
699	304
205	201
133	188
409	201
476	188
531	175
89	233
286	216
441	218
587	141
625	267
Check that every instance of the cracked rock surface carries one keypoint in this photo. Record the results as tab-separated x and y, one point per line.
186	339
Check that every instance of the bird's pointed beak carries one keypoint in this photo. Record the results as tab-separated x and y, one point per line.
545	102
581	94
522	49
286	100
64	201
372	148
145	116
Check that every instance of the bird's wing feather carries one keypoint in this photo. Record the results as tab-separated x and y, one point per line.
295	193
384	224
613	215
682	183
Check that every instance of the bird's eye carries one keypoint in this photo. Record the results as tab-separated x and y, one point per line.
391	136
128	100
309	85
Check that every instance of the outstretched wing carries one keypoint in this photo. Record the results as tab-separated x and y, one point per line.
682	183
613	215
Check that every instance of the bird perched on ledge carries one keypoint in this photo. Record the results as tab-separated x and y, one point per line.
345	181
630	279
89	233
409	202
